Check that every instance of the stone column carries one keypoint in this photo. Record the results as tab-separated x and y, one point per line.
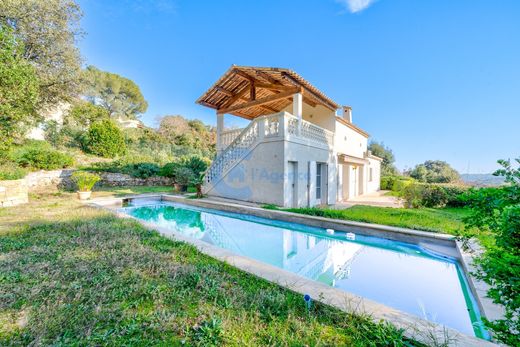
220	129
298	109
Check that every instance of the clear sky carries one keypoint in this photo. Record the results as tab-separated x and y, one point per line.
437	79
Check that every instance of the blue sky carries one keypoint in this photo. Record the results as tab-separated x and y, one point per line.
431	79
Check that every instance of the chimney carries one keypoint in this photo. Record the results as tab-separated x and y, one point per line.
347	113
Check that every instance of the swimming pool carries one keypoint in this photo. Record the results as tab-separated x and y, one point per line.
399	275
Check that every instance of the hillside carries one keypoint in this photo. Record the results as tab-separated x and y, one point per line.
482	179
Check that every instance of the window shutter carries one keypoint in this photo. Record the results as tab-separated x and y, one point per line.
312	183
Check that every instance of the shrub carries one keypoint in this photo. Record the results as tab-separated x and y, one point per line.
168	170
11	171
400	183
183	176
187	171
85	181
385	183
105	139
433	196
40	155
395	183
134	166
412	195
498	210
455	194
141	170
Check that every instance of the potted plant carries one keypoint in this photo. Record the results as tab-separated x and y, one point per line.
84	181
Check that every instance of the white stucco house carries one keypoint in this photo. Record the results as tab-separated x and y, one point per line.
299	149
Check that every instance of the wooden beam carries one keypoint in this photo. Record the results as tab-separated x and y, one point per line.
269	77
325	102
244	75
272	86
207	104
252	91
235	97
224	91
269	108
260	101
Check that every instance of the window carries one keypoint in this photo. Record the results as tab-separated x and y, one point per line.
318	180
370	174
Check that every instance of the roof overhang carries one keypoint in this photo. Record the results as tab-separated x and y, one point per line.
349	159
250	92
353	127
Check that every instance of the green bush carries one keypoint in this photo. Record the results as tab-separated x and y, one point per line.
168	170
134	166
141	170
183	176
433	196
497	210
105	139
425	194
413	195
187	171
401	183
11	171
40	155
395	183
85	181
385	183
455	194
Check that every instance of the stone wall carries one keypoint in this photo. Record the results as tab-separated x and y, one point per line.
44	180
13	193
61	179
120	180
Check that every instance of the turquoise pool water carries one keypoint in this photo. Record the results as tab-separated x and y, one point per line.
400	275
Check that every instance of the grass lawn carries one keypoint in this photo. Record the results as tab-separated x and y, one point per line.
445	220
75	275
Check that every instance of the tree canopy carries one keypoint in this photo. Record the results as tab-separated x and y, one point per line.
181	131
18	90
435	171
48	30
387	165
83	114
119	95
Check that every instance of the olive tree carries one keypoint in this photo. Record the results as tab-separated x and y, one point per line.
18	90
48	30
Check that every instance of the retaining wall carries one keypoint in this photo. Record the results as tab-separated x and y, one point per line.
61	179
13	192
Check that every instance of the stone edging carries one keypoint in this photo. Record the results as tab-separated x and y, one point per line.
487	307
415	328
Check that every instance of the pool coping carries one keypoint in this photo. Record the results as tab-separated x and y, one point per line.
414	327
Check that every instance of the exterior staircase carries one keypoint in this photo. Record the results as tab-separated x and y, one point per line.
281	125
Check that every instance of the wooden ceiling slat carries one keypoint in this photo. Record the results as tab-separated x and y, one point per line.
229	92
259	102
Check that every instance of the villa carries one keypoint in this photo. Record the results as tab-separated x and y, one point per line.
299	149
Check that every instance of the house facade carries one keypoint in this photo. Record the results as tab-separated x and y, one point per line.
299	149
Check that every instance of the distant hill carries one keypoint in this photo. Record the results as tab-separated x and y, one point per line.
482	179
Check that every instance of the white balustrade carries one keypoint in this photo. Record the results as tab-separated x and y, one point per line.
228	136
237	143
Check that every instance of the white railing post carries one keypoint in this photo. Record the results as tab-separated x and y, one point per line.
283	124
261	127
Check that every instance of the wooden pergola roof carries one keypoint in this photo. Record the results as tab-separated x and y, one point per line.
250	92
